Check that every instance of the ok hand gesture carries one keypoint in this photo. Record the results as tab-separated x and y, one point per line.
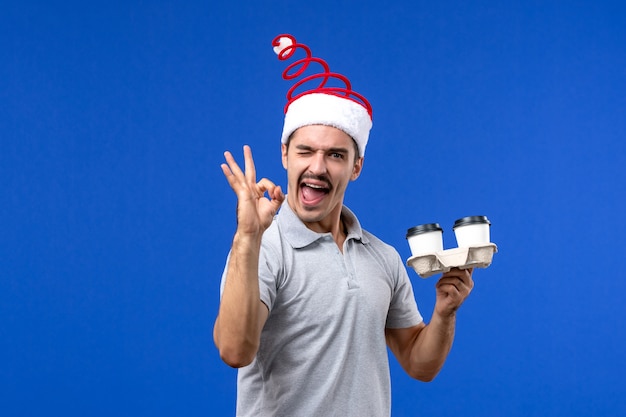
254	211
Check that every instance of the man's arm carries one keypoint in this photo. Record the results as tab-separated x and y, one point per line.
242	314
423	349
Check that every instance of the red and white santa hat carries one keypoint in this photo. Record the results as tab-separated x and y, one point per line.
324	104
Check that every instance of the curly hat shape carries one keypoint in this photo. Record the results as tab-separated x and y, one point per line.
339	107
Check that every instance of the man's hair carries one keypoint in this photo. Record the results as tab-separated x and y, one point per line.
356	146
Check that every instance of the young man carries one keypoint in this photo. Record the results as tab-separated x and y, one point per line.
311	301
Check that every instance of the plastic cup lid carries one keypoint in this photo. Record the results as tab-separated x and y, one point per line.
423	228
465	221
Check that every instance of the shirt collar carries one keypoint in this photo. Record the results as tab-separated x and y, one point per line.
299	236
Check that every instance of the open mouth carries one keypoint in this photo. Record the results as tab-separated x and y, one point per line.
313	192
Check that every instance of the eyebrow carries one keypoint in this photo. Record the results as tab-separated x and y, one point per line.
309	148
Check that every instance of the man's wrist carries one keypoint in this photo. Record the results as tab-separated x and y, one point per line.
445	318
247	239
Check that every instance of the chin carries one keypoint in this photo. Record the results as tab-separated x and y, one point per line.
311	214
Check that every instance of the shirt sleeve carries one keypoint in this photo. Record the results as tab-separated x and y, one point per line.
269	270
403	311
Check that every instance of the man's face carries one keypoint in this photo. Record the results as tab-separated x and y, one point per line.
320	162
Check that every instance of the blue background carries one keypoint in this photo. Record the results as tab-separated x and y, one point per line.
115	218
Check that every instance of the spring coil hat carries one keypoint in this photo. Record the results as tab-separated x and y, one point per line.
339	107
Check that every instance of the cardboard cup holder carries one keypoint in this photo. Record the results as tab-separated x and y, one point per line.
479	256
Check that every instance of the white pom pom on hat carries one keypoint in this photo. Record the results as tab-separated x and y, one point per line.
283	42
339	107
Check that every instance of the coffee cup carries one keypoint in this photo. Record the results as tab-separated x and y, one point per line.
472	231
425	238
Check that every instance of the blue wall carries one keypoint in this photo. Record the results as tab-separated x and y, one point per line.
115	218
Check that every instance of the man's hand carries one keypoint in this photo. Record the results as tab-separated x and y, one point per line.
242	314
254	211
452	289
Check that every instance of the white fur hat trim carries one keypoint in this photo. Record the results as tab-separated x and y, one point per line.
329	110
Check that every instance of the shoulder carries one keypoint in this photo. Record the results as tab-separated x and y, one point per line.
383	253
379	245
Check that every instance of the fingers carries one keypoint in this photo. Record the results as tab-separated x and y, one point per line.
278	194
232	164
232	171
460	279
249	165
245	181
265	185
452	290
465	275
228	173
274	191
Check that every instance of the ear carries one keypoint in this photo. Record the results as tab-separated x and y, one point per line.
356	170
283	150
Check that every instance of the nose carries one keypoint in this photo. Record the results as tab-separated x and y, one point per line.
318	163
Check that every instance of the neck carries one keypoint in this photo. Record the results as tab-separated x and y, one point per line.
333	224
339	233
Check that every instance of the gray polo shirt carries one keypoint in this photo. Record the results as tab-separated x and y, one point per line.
323	349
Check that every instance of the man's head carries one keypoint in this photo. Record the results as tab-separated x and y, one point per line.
320	162
324	136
